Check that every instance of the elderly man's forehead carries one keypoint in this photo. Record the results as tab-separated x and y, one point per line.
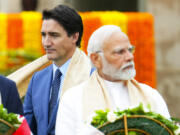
117	35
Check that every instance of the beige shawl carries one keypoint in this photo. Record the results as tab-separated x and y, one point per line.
78	71
23	75
95	95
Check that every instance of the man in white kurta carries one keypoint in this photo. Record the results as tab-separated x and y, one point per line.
110	86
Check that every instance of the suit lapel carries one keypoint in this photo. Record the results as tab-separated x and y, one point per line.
47	79
53	119
45	93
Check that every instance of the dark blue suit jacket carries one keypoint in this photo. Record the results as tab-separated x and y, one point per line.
36	102
10	97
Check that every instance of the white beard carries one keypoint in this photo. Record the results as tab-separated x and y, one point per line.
118	74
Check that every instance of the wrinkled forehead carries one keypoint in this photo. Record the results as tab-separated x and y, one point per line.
116	40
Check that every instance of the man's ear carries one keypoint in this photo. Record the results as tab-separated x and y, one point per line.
75	37
96	60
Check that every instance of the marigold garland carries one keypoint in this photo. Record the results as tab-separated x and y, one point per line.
139	28
114	18
3	40
25	37
141	34
90	25
14	31
31	35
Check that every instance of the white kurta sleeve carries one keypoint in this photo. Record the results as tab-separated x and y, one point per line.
69	116
161	106
87	129
66	117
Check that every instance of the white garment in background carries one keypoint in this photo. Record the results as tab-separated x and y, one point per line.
70	118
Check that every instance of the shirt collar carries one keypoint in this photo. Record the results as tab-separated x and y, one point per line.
62	68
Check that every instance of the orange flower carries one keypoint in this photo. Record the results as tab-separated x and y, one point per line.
91	23
14	31
141	34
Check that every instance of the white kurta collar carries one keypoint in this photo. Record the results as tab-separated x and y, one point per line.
119	94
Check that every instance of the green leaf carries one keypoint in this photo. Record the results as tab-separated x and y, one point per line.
11	118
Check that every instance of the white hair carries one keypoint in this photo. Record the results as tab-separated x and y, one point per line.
99	36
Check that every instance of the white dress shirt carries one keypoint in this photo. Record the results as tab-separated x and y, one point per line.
63	70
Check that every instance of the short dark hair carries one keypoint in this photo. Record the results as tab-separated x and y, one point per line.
68	18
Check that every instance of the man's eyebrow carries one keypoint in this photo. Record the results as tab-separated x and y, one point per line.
118	48
54	32
51	33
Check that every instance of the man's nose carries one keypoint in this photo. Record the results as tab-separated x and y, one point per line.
129	56
46	41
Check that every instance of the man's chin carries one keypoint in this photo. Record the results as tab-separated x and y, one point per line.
50	57
127	74
130	75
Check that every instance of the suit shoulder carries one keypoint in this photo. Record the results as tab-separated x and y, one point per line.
43	71
5	80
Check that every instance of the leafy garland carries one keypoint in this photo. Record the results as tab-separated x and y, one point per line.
102	116
11	118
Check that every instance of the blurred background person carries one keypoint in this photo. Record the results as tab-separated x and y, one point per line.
9	96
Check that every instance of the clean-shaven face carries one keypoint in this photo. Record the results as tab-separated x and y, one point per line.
58	45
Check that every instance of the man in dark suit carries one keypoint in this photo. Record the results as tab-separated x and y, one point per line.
61	31
9	96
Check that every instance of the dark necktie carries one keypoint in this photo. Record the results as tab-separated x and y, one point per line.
54	92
